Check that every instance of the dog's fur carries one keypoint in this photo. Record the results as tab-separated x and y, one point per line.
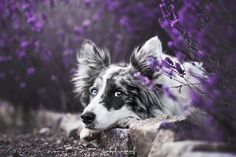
112	92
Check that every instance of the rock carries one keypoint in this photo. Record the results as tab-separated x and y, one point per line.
114	138
191	148
163	136
174	136
68	148
64	121
70	122
142	133
58	141
44	130
10	115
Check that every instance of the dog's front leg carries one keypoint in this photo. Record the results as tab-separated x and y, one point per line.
126	122
88	134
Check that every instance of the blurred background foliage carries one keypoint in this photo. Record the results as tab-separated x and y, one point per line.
39	40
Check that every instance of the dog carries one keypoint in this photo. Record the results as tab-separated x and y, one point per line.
152	84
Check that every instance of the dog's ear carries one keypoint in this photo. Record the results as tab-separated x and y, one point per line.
92	56
142	55
91	61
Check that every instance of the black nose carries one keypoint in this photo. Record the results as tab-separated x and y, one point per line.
88	117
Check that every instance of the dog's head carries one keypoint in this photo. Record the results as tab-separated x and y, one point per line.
111	92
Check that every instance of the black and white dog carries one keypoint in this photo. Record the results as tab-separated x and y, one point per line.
112	92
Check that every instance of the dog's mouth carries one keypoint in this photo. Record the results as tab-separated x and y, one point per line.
93	126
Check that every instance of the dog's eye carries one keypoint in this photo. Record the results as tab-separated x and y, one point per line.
93	92
117	94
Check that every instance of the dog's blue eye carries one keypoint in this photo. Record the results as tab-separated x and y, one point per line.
117	94
93	92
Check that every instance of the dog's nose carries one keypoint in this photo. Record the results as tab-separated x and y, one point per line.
88	117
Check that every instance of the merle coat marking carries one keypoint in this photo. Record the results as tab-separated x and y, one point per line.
110	92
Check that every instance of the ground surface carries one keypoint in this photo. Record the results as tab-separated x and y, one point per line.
47	143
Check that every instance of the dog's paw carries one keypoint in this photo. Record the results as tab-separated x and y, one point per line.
88	134
126	122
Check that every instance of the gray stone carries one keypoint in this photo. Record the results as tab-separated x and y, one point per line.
190	148
115	142
168	136
143	133
163	136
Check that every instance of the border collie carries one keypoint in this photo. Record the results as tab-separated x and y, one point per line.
152	84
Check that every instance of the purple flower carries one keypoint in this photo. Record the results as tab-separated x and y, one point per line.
25	6
44	16
88	2
39	26
201	54
124	21
112	5
153	63
78	30
46	55
164	23
30	71
96	17
179	69
145	80
166	64
31	19
168	60
37	44
137	74
21	54
174	23
171	45
86	24
24	44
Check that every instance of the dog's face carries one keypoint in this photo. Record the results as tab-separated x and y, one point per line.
111	92
109	99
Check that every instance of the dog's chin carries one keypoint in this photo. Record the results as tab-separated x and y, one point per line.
97	127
